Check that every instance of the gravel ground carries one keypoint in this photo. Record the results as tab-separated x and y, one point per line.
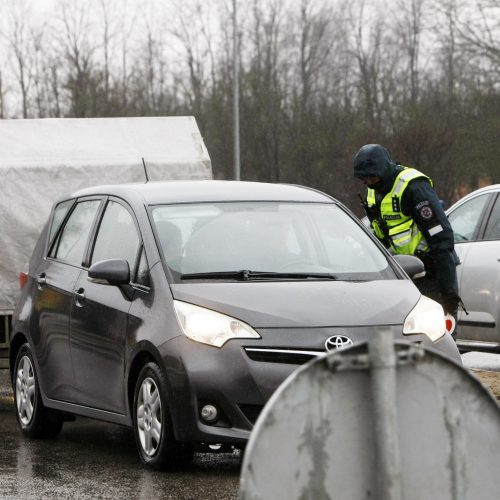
6	400
491	380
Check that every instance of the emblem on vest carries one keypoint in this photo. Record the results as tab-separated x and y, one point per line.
395	204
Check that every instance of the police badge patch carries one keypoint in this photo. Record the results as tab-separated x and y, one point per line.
426	212
421	204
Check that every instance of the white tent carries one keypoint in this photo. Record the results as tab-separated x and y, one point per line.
43	160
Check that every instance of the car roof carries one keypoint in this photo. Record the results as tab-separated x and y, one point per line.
487	189
156	193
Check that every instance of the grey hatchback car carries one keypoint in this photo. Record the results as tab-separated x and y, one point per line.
177	308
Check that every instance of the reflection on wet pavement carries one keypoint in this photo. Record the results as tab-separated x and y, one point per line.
97	460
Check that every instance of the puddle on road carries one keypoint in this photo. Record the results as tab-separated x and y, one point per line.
92	459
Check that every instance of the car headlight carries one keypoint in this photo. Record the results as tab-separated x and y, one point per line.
426	317
210	327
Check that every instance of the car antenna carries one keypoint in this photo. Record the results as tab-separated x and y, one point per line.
145	170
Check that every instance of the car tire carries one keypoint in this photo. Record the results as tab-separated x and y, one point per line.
153	430
34	419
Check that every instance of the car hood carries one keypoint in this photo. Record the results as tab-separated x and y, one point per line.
305	304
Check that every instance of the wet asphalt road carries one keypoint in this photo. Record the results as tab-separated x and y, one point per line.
92	459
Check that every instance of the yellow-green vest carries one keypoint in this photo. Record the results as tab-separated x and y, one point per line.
400	229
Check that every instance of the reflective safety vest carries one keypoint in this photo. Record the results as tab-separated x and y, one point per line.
399	229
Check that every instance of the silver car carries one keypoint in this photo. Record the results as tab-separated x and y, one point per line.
476	223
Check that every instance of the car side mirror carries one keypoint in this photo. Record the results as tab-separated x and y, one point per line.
110	272
412	265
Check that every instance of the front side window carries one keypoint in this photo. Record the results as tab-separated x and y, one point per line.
466	218
492	231
72	241
269	237
117	237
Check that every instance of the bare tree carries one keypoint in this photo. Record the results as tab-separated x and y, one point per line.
264	87
368	54
409	29
55	86
107	7
318	79
126	29
78	50
481	31
39	72
315	45
199	42
151	78
18	36
448	38
194	55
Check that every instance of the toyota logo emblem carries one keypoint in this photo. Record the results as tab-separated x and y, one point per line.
337	342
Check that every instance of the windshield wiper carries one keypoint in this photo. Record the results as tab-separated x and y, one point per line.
247	275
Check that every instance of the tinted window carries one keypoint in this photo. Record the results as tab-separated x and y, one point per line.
465	219
267	236
59	214
172	242
73	239
492	231
117	237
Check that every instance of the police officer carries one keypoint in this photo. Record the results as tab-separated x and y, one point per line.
407	216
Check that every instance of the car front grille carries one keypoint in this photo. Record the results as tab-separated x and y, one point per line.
289	356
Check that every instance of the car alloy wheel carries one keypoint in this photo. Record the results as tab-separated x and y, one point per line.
25	390
149	416
34	419
153	429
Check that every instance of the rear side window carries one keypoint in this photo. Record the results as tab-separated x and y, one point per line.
59	215
72	240
117	237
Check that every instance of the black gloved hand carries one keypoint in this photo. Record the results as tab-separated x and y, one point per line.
372	212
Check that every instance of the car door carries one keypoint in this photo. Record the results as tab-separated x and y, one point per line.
476	224
56	276
99	317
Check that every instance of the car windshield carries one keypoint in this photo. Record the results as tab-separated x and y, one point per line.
266	241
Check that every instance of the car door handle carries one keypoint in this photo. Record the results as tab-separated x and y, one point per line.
41	281
79	296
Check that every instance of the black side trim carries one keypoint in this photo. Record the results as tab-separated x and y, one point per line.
481	324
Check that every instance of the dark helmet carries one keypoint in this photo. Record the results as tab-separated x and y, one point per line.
373	160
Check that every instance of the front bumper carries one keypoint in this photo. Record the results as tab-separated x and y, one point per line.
240	377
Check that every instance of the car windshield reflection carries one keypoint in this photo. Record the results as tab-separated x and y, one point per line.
266	241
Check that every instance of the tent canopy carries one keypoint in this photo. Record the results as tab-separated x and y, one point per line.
44	160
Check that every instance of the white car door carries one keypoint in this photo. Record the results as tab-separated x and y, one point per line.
476	224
